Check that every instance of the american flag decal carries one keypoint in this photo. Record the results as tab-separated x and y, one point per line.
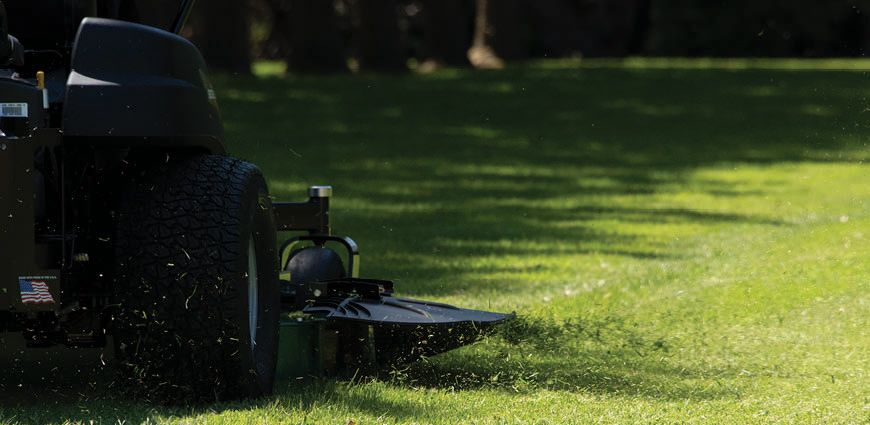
34	292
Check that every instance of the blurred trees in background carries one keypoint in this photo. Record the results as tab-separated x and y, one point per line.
376	43
759	28
222	34
446	32
307	35
391	35
501	32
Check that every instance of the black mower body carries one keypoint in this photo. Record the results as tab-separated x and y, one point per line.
86	103
133	84
87	117
128	89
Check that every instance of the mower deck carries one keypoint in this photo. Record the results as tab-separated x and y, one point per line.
356	325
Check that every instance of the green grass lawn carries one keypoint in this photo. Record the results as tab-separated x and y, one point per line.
683	241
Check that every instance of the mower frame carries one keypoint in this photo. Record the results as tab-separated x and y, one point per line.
83	148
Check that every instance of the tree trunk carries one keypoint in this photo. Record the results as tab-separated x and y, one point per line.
865	42
556	27
157	13
446	35
377	38
500	33
612	27
309	30
223	35
622	17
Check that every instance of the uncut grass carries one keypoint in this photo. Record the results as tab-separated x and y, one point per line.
682	243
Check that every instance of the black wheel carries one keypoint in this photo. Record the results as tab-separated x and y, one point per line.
197	282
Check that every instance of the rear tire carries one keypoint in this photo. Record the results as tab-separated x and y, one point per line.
197	283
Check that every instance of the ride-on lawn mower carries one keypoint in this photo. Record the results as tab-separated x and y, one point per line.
125	224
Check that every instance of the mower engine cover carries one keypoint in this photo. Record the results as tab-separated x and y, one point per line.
122	72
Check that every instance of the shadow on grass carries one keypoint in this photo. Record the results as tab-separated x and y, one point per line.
452	165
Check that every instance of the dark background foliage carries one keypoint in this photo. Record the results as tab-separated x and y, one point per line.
322	36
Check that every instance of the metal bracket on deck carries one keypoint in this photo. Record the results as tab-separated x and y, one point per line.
312	216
